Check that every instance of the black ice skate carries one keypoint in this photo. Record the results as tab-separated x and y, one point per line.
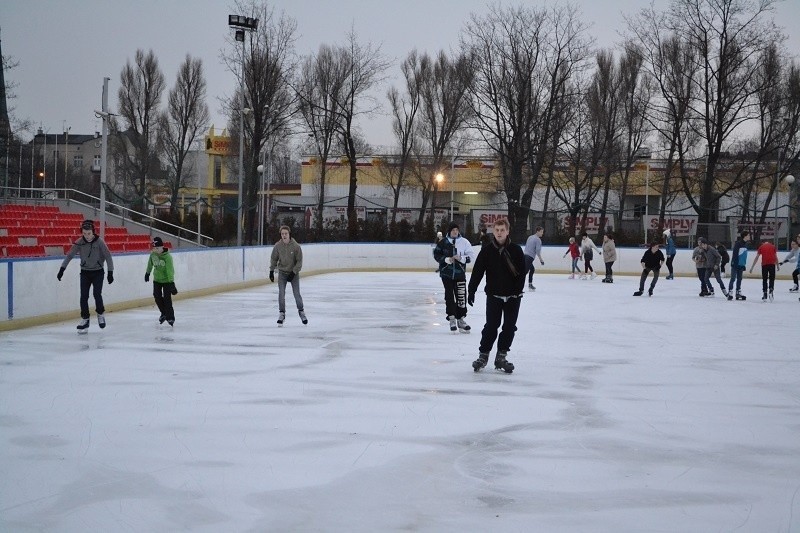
83	325
764	297
480	362
650	292
729	296
638	293
794	289
171	322
500	362
463	327
771	297
162	319
740	297
303	318
101	321
281	318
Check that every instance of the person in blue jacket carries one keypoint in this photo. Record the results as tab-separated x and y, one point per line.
453	253
739	263
671	252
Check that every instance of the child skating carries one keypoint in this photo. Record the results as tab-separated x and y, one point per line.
160	264
574	252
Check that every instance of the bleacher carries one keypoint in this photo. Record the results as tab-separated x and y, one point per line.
40	231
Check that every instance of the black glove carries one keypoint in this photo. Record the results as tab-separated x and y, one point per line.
471	299
172	290
60	273
147	277
110	277
272	275
290	277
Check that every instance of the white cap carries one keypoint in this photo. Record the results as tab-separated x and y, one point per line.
667	232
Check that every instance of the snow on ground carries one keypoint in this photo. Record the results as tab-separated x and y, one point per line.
670	413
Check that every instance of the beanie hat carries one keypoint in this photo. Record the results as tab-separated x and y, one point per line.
157	242
451	226
87	224
702	240
667	232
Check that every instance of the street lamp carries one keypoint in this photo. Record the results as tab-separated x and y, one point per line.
241	24
452	182
264	172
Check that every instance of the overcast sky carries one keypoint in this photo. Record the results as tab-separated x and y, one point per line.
65	49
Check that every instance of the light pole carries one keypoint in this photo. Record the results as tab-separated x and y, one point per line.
263	212
439	180
241	24
452	182
646	199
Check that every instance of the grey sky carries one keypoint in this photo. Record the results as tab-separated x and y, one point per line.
66	48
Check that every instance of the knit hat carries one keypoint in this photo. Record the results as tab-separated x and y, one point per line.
667	232
702	240
157	242
451	226
87	224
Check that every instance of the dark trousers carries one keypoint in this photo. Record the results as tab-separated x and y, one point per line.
455	297
163	298
498	310
737	272
93	279
714	272
529	268
587	263
767	277
609	272
670	259
645	273
795	275
705	286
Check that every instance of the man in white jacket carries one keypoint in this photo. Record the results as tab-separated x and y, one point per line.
453	253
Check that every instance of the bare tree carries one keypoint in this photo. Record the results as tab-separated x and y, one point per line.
135	148
183	122
269	65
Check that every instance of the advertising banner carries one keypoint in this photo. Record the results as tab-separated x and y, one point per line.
679	225
592	223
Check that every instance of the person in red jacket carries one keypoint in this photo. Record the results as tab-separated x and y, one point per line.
769	261
575	253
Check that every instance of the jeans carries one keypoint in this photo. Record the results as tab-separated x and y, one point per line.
575	265
714	272
282	281
455	297
93	279
645	273
163	296
705	286
737	272
529	268
767	277
497	309
609	273
670	258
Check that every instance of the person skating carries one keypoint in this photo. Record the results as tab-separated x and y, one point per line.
160	264
739	264
652	261
671	251
794	255
769	262
532	250
699	258
503	263
287	257
93	253
587	249
575	254
609	256
723	253
713	261
453	253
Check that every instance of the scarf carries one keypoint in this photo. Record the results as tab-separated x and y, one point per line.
505	256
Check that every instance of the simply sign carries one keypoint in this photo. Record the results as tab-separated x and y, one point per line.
679	225
592	222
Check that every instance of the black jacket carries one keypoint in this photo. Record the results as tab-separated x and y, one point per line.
653	260
504	267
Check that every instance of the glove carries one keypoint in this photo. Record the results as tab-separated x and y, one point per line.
147	276
272	276
60	273
448	260
290	277
471	299
172	290
110	277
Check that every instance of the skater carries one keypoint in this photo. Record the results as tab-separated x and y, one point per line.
93	253
713	261
533	249
769	261
453	253
587	249
794	254
738	264
504	265
671	252
287	257
160	263
699	258
652	261
575	254
723	253
609	256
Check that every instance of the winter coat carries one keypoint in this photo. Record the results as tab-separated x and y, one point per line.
92	253
504	267
588	247
671	249
161	266
713	259
723	253
286	257
609	251
447	248
739	254
573	251
652	260
794	254
699	257
533	246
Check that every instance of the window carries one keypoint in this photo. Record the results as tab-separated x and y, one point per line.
217	171
77	161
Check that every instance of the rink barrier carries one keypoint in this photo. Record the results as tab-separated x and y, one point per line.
33	296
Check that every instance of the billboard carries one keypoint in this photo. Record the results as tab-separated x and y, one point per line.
592	223
679	225
333	215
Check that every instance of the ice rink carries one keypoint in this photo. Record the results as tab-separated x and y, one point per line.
670	413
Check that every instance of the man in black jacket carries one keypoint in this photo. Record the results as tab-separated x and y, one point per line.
503	262
652	261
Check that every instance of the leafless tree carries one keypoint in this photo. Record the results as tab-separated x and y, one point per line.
269	66
134	136
183	122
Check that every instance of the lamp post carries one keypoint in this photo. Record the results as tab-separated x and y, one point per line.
263	211
241	24
452	182
439	180
646	200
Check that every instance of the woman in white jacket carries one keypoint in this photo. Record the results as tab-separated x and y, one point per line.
587	251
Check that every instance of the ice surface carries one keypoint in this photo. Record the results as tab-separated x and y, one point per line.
670	413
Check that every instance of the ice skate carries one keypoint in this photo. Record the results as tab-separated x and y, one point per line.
480	362
83	325
500	362
162	319
764	297
703	294
638	293
531	287
594	275
670	276
740	297
794	289
303	318
171	322
281	318
771	297
463	327
453	323
572	276
583	277
728	295
650	292
101	321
